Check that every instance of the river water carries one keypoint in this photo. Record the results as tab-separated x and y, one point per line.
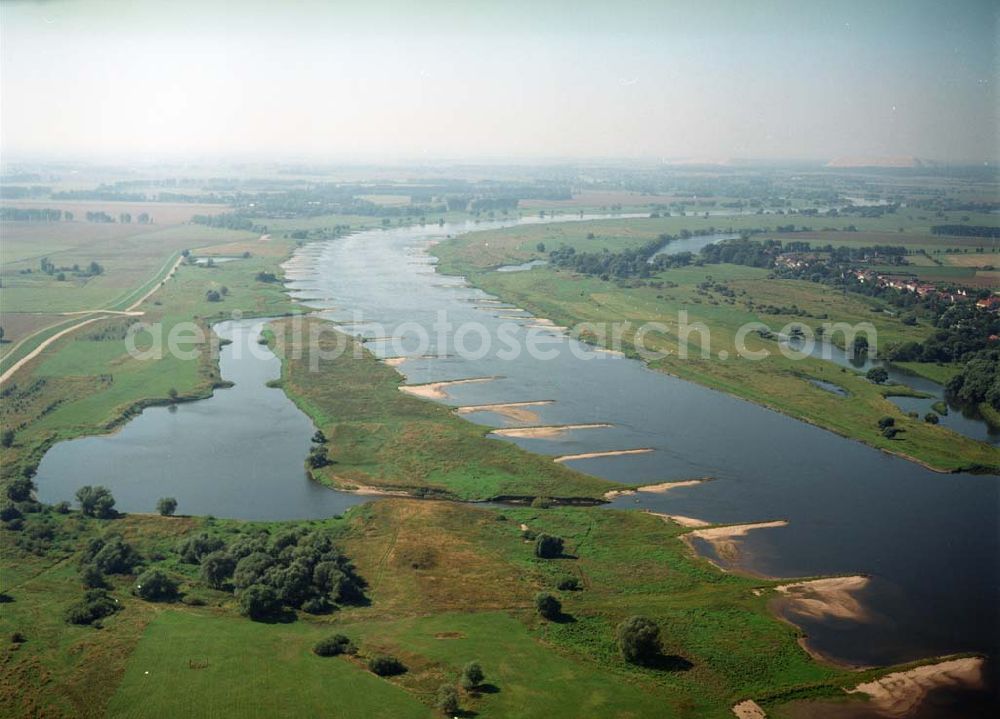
930	541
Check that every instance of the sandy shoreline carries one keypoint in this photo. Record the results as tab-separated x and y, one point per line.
899	693
394	361
724	539
658	488
828	598
749	709
510	410
435	390
593	455
683	521
555	430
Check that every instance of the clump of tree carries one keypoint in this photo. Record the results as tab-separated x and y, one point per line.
95	605
472	676
110	556
548	546
166	506
979	380
154	585
447	700
334	645
295	569
877	375
386	665
639	641
96	502
548	606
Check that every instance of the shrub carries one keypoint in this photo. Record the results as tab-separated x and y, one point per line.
447	700
96	604
541	503
153	585
548	546
886	422
96	502
334	645
931	418
10	512
166	506
386	666
217	568
317	605
891	432
61	508
259	601
547	605
878	375
92	577
194	548
112	556
472	675
639	640
7	438
568	584
20	489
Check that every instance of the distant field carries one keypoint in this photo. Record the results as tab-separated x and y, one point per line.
604	199
162	213
387	200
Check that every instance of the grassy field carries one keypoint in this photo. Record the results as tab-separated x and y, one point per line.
448	583
383	438
777	382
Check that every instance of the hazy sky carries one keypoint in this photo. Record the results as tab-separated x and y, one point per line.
706	79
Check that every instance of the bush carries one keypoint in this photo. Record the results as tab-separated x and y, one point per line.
61	508
447	700
259	601
891	432
334	645
154	585
217	568
931	418
194	548
166	506
877	375
472	676
10	512
541	503
386	666
548	546
92	577
886	422
96	604
547	605
317	605
568	584
7	438
96	502
20	489
639	640
112	556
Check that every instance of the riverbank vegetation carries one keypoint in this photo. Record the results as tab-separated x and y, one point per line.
724	297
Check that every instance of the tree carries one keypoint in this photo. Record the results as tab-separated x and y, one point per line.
891	432
213	296
318	437
878	375
886	422
639	640
318	457
20	489
333	645
197	546
447	700
166	506
547	605
154	585
259	601
96	501
217	568
93	577
548	546
386	666
250	569
7	438
931	418
472	676
540	247
114	556
96	604
172	394
568	584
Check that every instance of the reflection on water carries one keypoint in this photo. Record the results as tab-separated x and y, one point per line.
239	453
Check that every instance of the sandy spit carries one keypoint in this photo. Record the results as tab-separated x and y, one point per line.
612	453
682	520
831	597
724	539
749	709
555	430
394	361
661	487
511	410
898	694
435	390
